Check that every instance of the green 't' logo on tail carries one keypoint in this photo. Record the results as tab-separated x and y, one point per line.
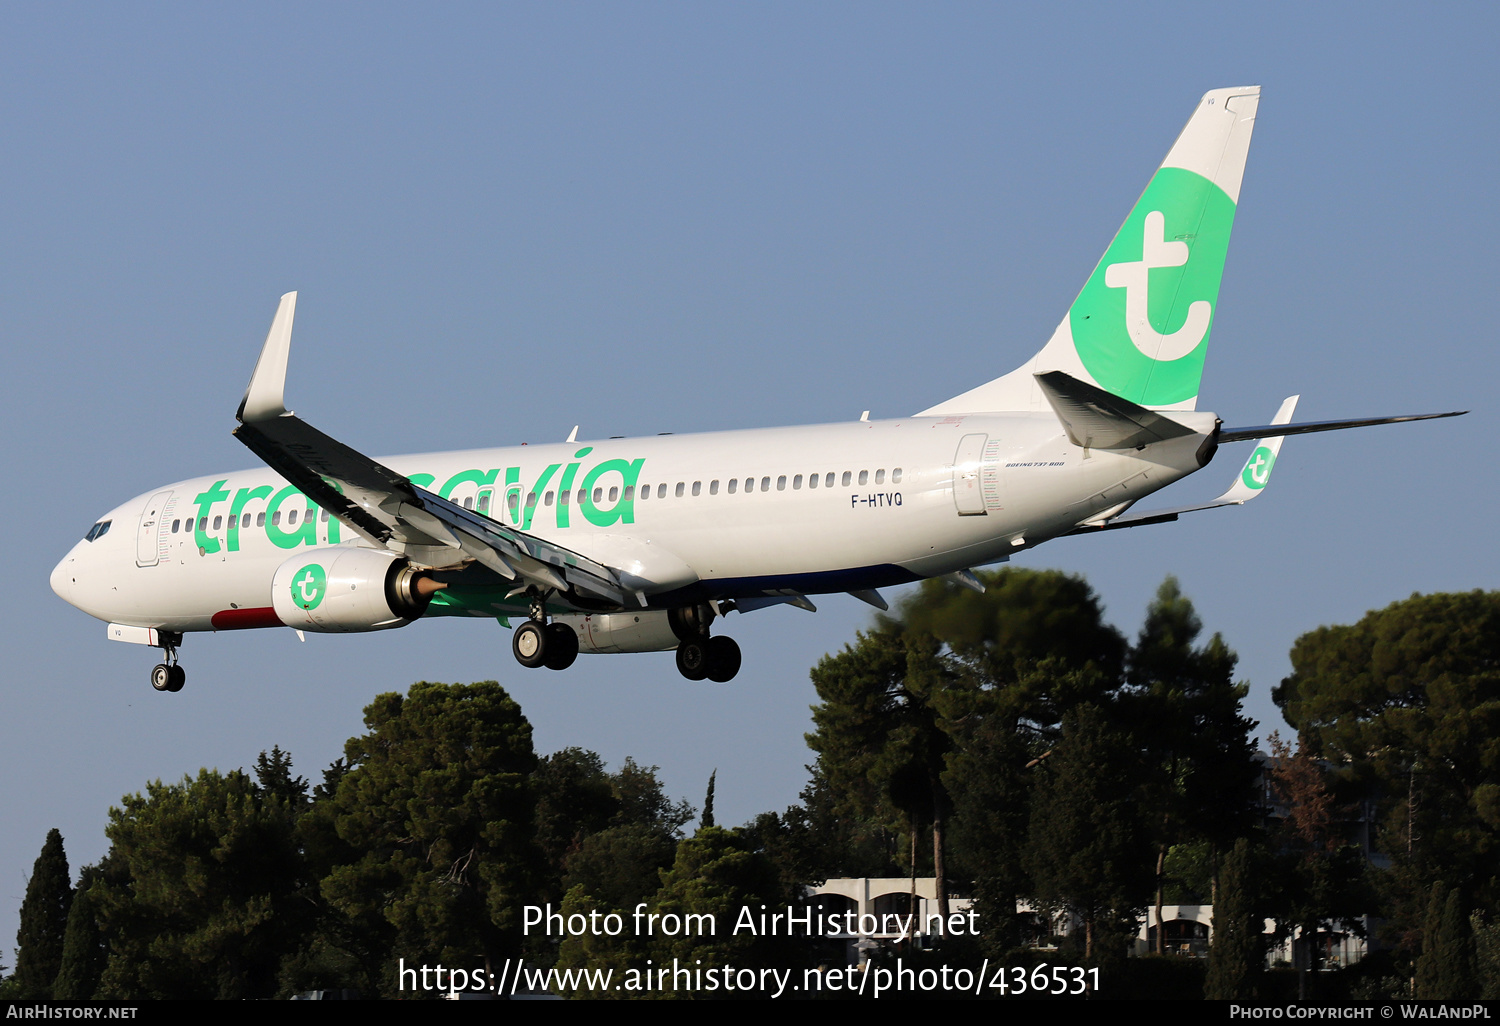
1142	321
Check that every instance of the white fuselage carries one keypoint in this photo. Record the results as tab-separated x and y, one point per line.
688	517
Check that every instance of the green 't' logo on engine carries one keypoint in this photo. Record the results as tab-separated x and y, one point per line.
309	585
1258	468
1142	321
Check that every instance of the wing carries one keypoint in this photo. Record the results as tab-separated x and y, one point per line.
385	507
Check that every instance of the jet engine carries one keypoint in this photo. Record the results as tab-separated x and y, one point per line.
346	590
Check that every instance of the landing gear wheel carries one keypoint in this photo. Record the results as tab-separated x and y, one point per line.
529	644
692	658
161	677
562	646
178	677
723	659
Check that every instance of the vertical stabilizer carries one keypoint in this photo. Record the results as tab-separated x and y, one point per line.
1139	329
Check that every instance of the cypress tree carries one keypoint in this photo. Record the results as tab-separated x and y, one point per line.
1238	953
708	802
44	920
84	952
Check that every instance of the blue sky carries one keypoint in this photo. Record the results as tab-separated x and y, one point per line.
507	219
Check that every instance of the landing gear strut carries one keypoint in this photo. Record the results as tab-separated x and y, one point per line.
699	656
539	643
169	676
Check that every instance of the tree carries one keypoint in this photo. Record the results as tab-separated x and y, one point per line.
197	892
1087	836
44	921
84	952
1238	952
1407	703
708	801
1446	969
1185	708
437	809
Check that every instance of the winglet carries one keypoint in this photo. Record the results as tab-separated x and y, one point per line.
264	396
1257	469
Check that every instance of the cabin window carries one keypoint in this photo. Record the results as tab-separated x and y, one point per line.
629	492
828	482
598	495
812	480
260	519
310	513
275	521
484	502
245	520
324	518
291	518
781	483
513	500
896	476
864	477
697	487
765	484
547	499
880	476
581	496
845	480
713	488
530	499
733	484
468	502
797	483
680	489
614	492
175	525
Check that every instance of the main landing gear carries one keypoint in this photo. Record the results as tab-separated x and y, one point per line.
169	676
538	643
699	656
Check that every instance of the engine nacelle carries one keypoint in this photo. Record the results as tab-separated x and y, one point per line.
345	590
647	631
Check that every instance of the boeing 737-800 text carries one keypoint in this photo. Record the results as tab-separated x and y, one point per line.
639	544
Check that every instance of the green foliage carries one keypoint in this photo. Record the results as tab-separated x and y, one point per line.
84	952
1088	845
1446	969
44	920
196	895
437	811
708	802
1408	700
1237	956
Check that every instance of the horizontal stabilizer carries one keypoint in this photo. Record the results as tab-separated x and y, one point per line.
1268	430
1096	419
1248	483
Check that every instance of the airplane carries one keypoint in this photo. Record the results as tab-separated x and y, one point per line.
640	544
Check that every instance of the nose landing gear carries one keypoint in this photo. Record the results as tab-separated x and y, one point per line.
169	676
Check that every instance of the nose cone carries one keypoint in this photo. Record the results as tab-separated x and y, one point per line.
62	578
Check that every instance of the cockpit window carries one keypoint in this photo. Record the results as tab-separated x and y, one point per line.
98	531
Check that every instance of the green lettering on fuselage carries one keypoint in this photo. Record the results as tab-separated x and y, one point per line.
205	500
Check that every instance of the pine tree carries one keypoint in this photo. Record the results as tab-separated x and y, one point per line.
44	921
